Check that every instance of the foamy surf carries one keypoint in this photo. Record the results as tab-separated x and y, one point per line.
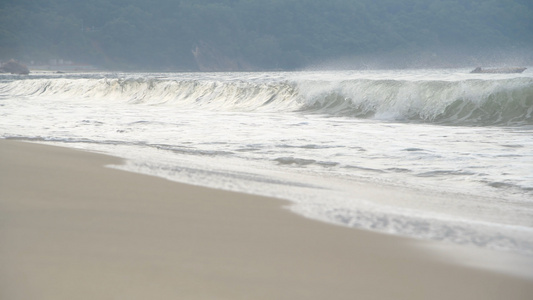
441	154
461	101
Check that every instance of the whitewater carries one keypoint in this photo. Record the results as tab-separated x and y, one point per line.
432	154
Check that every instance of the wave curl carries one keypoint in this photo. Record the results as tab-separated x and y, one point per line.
473	102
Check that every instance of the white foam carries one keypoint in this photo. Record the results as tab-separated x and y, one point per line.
245	132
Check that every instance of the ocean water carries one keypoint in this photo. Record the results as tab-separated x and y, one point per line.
433	154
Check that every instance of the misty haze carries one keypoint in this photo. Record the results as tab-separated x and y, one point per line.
235	35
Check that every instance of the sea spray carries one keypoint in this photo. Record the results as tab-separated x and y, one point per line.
475	102
448	153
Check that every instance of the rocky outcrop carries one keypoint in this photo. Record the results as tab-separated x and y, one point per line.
498	70
14	67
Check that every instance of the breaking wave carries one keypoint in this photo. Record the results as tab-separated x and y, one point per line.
473	102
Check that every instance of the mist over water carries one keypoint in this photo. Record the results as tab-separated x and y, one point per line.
438	154
442	57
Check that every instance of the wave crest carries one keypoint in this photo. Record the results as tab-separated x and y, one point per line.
474	102
469	102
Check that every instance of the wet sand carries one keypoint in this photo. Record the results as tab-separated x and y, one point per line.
71	228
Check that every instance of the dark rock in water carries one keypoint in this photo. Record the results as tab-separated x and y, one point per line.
14	67
498	70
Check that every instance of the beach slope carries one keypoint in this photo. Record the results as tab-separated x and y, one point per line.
72	229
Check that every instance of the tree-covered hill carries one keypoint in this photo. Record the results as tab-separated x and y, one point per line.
255	34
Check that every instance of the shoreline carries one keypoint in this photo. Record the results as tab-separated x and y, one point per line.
72	228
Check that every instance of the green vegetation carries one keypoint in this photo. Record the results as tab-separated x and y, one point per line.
255	34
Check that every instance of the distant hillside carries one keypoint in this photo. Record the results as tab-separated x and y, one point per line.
275	34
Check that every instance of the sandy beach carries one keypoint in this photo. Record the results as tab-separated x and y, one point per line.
70	228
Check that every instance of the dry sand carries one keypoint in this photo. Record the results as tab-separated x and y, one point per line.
73	229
